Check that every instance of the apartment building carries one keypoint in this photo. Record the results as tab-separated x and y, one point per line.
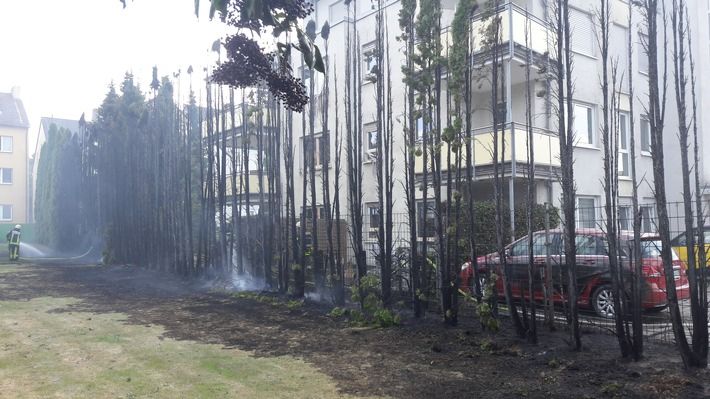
13	159
515	16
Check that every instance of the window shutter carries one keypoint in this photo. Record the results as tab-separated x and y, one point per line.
583	40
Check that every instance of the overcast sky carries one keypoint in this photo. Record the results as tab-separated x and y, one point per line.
63	54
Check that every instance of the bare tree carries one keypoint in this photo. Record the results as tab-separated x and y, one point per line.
694	355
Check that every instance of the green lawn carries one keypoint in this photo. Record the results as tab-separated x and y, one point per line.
50	353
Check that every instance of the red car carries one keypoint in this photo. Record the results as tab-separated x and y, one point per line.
593	277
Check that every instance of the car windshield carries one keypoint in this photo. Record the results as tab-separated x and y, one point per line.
652	249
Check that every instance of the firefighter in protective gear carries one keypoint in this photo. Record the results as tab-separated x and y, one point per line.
13	242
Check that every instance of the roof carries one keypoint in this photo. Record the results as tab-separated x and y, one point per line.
12	111
46	122
68	124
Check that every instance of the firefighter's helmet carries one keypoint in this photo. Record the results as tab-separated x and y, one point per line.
17	226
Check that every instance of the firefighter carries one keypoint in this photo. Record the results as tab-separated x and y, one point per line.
13	242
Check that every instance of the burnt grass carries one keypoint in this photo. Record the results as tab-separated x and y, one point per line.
420	359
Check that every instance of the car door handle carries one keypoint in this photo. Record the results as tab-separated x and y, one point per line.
590	262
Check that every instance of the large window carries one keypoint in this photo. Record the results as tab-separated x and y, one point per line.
625	218
586	212
583	40
6	213
645	136
624	144
316	148
5	176
5	143
648	221
584	129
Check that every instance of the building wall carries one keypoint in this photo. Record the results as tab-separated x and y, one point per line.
15	194
586	76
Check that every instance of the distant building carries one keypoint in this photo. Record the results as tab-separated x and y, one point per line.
14	125
42	135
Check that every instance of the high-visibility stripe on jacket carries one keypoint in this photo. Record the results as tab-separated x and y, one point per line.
15	237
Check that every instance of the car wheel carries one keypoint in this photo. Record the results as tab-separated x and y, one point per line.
603	301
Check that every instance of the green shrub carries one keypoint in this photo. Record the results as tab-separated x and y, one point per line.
337	312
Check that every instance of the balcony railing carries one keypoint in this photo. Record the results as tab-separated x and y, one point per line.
545	144
513	20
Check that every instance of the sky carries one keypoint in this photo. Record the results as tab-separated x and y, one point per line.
64	54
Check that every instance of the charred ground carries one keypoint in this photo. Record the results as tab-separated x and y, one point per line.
418	360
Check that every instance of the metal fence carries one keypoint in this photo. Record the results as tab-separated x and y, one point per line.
592	264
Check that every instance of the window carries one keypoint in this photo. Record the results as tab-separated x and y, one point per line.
583	36
428	217
643	57
5	143
369	57
624	144
372	140
308	212
583	129
586	212
590	245
648	222
373	220
6	213
624	216
373	216
5	176
645	135
318	150
521	247
420	128
619	48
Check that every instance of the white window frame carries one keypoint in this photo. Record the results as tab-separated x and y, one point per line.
628	217
317	152
624	145
591	126
2	212
642	56
6	139
370	61
593	208
592	53
645	133
2	176
371	207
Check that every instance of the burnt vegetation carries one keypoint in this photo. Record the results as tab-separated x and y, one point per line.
259	181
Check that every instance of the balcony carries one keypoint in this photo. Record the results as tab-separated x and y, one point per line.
513	22
253	184
545	143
